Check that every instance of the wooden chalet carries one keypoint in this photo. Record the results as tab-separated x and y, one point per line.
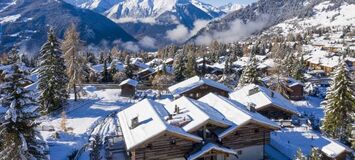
148	136
128	87
197	87
265	101
213	127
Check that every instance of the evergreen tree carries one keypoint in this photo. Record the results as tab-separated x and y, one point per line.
105	73
179	68
250	73
299	155
298	70
18	138
191	65
52	78
72	47
315	155
340	104
128	69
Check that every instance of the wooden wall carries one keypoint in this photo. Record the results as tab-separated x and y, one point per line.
273	112
128	90
248	135
296	93
203	90
162	149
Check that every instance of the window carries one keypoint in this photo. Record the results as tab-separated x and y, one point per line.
240	152
236	133
172	141
256	131
149	146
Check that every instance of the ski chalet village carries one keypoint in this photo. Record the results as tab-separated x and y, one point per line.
235	88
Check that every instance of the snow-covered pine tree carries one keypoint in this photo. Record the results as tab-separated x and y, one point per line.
179	68
315	155
299	155
250	73
105	73
340	104
74	61
52	78
298	69
18	138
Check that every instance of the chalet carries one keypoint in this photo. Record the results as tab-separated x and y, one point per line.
145	73
213	127
250	131
294	88
267	102
128	87
196	87
169	61
148	136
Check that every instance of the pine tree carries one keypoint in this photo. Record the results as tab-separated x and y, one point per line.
179	68
191	65
315	155
298	70
250	73
340	104
18	138
299	155
52	78
105	73
72	47
128	69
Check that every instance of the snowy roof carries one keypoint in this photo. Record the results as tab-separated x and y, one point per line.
194	82
130	82
209	147
138	62
289	140
262	97
97	68
199	113
151	124
119	66
235	112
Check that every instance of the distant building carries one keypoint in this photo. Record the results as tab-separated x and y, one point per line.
197	87
265	101
128	87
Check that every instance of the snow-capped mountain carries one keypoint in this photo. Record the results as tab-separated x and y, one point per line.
231	7
25	23
286	14
153	18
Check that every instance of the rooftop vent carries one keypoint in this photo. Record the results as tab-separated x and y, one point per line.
251	107
272	94
253	91
177	110
134	122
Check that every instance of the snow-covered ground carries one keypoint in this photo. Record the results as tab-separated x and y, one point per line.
310	106
86	117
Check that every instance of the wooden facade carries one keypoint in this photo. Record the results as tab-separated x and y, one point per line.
203	90
128	90
274	112
251	134
296	92
163	148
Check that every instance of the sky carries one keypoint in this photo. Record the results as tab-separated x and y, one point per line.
218	3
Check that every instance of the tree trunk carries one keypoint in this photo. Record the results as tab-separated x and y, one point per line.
75	93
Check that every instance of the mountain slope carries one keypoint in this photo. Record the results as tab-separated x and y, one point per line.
26	23
152	18
259	16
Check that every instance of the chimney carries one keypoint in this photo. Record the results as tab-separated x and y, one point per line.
134	122
177	109
251	107
272	94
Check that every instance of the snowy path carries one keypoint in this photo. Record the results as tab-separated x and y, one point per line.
82	119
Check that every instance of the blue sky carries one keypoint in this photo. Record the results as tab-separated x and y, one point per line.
223	2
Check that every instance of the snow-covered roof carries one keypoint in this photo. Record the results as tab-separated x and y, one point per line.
235	112
194	82
289	140
199	113
129	81
139	63
97	68
151	124
262	97
209	147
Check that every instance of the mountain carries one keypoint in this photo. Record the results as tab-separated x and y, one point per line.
230	7
264	14
25	23
152	18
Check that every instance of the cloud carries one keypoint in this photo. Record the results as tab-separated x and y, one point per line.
148	42
181	33
237	31
131	46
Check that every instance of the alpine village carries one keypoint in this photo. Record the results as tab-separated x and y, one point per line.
177	80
